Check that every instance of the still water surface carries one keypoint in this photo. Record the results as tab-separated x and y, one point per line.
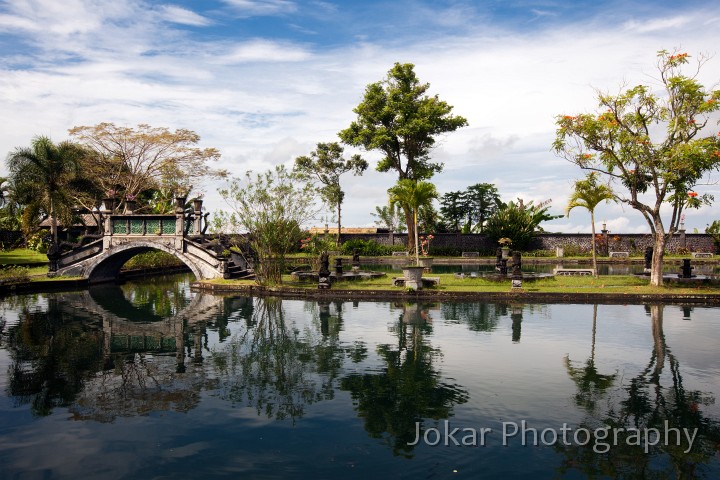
151	380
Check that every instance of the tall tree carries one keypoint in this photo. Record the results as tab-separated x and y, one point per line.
326	164
42	176
399	119
651	143
135	159
482	201
588	194
413	195
454	209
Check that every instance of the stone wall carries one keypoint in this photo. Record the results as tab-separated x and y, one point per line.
634	243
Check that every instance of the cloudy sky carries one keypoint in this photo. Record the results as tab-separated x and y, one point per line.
265	80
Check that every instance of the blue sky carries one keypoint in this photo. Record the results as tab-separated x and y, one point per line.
265	80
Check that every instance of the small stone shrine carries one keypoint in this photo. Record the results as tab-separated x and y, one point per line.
686	269
516	278
324	272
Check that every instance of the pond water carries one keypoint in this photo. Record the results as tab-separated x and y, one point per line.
151	380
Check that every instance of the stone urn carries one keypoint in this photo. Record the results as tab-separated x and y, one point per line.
180	202
413	276
505	252
109	204
426	262
197	204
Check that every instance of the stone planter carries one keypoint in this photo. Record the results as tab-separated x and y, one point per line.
505	252
180	203
413	276
197	204
426	262
130	206
109	204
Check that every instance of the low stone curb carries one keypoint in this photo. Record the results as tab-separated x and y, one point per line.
435	295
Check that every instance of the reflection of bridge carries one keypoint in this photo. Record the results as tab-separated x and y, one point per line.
126	328
128	235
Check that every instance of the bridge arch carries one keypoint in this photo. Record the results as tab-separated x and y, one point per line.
106	266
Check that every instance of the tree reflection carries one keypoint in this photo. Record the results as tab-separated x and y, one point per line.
102	363
479	317
53	353
273	367
591	384
644	402
408	389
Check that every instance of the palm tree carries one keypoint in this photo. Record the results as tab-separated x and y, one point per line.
41	175
588	194
413	195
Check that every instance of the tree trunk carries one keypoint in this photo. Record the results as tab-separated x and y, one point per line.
410	228
656	272
337	240
417	244
53	223
594	255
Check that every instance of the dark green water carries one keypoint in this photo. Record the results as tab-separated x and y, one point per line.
150	380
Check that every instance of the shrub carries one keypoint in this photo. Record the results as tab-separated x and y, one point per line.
368	248
13	274
539	253
152	259
38	241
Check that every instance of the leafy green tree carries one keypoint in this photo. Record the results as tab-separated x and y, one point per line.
327	164
398	118
654	144
390	218
482	201
271	207
519	222
412	196
588	194
454	209
43	177
10	212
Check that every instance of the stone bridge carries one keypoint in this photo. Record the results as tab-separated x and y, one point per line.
127	235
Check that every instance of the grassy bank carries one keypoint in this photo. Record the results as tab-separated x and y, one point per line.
22	256
606	284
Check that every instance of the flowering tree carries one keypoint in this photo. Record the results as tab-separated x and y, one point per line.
654	144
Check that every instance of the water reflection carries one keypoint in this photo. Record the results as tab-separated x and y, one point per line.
276	368
395	400
243	368
652	418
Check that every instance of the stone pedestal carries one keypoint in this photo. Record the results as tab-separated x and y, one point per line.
413	276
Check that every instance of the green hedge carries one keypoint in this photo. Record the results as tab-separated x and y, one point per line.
369	248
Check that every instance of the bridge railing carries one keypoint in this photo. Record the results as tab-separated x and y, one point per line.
79	254
142	225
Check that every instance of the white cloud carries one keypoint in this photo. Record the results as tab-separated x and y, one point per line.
657	24
264	51
262	7
175	14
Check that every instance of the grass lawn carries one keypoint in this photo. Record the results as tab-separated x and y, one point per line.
22	256
449	283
